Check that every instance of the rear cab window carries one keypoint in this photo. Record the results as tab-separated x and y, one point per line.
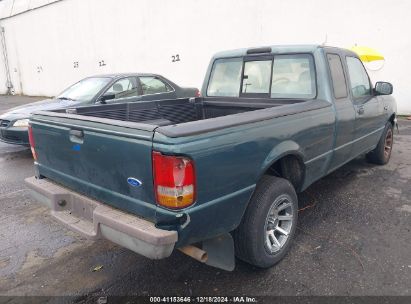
293	77
256	77
225	79
277	77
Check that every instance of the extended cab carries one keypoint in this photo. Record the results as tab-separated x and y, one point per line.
215	176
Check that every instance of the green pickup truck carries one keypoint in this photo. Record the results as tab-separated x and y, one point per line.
215	176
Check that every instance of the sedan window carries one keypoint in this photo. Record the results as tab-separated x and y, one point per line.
153	85
123	88
85	89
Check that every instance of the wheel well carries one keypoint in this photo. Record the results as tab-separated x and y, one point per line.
290	167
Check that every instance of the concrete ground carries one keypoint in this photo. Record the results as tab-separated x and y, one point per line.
353	238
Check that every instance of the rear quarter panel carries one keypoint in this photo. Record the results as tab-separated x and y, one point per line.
229	163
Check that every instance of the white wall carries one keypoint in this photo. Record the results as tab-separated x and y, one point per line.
141	36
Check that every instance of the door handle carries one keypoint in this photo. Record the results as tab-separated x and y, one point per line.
385	108
360	110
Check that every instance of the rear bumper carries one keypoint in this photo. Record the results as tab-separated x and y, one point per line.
14	135
96	220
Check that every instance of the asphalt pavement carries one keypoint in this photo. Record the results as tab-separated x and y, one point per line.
10	101
353	238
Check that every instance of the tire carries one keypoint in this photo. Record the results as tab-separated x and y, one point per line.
382	153
251	240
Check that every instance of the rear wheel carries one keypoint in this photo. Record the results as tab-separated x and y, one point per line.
382	153
268	226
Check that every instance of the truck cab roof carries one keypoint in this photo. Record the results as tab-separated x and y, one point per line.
279	49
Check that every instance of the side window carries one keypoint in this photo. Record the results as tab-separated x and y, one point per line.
359	82
153	85
256	77
337	76
123	88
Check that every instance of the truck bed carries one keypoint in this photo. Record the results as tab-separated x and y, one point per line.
171	112
188	116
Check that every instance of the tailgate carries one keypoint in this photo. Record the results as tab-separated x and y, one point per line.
107	160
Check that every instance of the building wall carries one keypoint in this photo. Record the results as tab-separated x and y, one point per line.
142	36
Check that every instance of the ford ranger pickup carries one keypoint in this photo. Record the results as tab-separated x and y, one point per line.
215	176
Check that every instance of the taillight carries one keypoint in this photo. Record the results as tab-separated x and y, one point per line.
32	143
174	180
198	93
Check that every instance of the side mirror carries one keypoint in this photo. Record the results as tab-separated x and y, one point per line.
106	96
383	88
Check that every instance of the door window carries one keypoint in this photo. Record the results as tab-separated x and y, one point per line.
153	85
123	88
359	81
337	76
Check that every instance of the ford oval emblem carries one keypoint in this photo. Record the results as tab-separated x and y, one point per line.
76	147
134	182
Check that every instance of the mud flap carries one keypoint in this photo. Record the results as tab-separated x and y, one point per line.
220	252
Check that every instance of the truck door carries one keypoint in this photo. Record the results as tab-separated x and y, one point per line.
368	108
345	113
